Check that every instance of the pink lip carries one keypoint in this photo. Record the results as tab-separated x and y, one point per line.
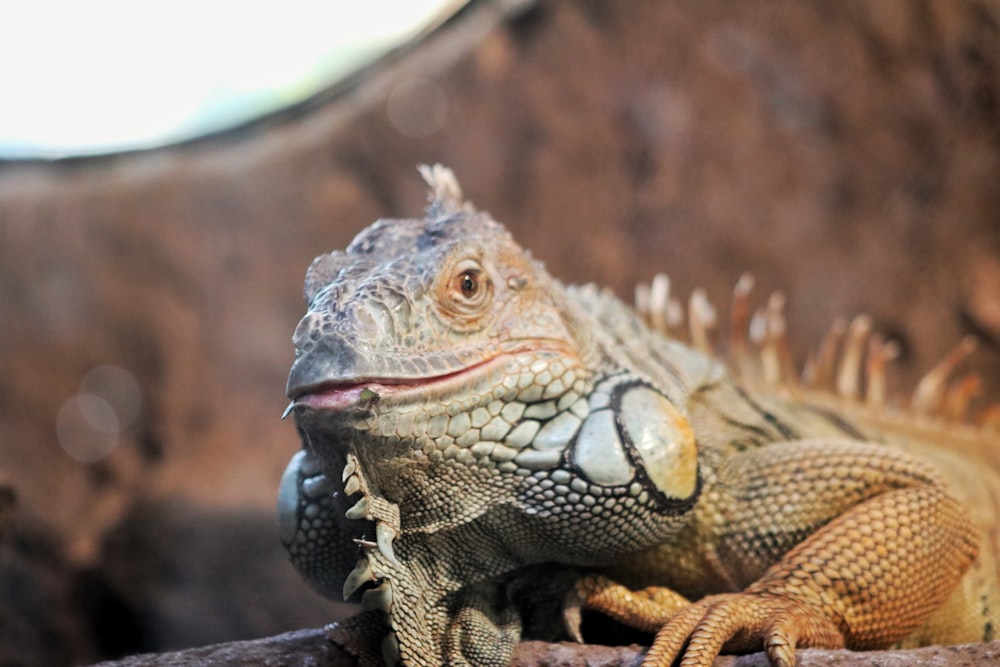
349	395
344	396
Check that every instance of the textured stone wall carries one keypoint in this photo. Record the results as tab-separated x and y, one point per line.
845	151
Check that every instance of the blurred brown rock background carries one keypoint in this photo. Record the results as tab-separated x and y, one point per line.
845	151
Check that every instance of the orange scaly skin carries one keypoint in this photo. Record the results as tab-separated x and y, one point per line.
482	444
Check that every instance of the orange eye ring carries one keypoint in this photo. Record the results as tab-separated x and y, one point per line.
467	293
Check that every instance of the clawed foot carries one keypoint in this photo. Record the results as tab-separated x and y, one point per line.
696	633
742	622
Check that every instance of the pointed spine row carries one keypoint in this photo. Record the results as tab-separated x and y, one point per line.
852	359
367	571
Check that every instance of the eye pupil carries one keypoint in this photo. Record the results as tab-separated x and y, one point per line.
469	285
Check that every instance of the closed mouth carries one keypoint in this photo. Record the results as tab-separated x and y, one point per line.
363	393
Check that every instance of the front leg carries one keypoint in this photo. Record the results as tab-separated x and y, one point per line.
860	544
431	620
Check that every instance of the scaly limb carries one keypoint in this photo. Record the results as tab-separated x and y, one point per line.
865	580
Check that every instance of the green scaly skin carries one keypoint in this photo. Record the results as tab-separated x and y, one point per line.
481	442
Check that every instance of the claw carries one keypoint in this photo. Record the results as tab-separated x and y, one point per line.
572	617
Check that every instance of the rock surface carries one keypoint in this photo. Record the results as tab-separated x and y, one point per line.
311	648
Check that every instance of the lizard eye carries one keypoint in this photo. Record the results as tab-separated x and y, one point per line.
470	284
468	290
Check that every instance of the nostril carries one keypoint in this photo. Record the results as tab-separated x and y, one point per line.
374	319
306	330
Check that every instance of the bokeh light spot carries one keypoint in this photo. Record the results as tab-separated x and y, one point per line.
417	108
87	427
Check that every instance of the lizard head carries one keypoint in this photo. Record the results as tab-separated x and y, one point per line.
419	310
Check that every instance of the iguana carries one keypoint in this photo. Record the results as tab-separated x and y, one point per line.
481	442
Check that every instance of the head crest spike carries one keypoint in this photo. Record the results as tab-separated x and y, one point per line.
445	196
